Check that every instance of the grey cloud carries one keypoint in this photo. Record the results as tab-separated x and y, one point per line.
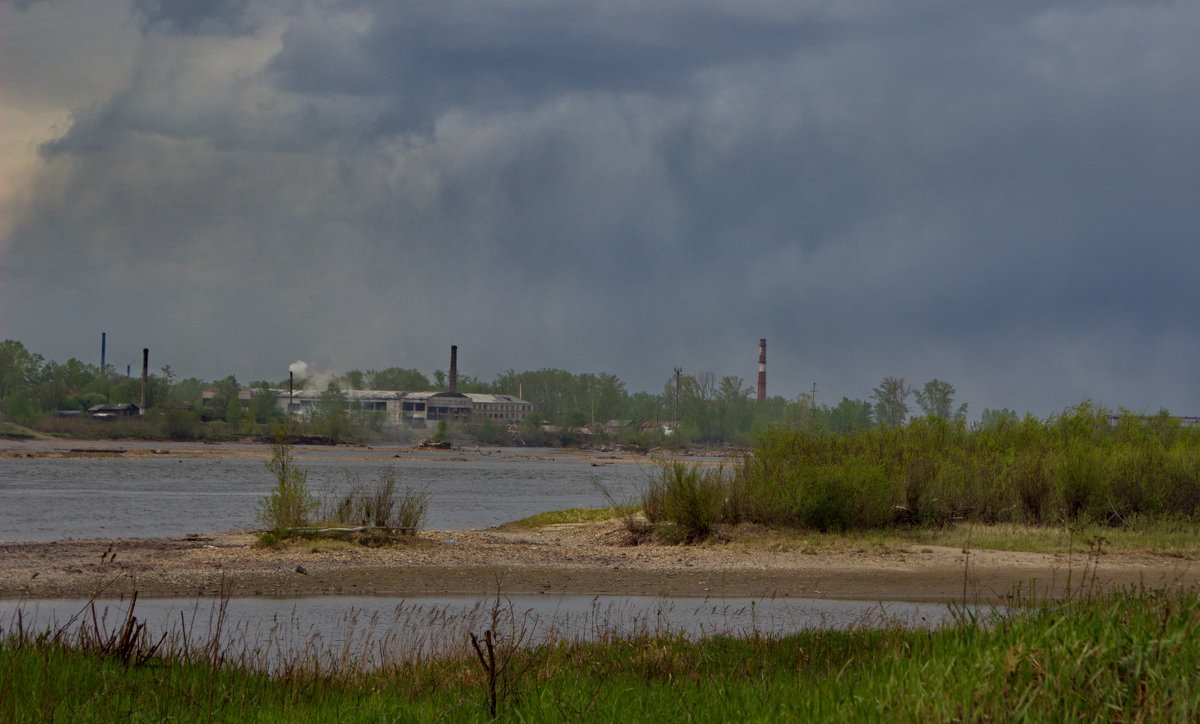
431	57
1000	196
197	17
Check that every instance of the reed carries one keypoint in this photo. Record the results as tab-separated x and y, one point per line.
1130	655
1075	467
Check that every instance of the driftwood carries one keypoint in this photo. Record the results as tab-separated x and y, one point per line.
354	529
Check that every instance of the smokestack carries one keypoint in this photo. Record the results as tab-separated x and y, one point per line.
453	368
762	370
291	388
103	349
145	377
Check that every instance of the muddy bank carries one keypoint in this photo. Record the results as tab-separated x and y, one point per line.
569	559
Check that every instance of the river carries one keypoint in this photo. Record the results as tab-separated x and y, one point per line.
165	494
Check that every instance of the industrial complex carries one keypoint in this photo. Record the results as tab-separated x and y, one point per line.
416	409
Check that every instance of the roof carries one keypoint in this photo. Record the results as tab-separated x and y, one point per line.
113	407
489	398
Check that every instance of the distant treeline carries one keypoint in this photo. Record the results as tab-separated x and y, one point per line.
692	409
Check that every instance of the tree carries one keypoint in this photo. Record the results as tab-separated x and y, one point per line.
355	380
18	367
998	418
223	391
850	415
936	399
396	378
890	406
263	405
233	411
330	417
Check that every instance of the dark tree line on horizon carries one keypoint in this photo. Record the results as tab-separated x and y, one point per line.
703	407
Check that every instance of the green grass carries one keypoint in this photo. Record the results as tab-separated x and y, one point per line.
12	432
570	515
1128	656
1178	538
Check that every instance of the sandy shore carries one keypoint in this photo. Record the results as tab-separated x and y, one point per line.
572	559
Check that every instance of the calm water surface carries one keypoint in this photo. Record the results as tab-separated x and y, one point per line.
161	496
336	630
168	496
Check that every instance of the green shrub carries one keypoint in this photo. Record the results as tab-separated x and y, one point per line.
289	503
381	506
1076	466
687	497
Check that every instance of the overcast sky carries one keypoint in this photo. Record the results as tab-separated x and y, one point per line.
1003	195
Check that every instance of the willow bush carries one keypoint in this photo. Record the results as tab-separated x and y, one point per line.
1075	467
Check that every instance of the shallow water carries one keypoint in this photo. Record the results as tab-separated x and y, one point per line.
45	499
335	631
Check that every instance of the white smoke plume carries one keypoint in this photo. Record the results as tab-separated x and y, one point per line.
309	379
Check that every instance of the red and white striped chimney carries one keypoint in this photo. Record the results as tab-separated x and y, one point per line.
762	370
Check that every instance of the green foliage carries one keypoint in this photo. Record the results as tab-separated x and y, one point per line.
263	408
890	397
850	416
18	367
289	503
234	411
1076	467
572	515
936	399
1128	657
687	497
486	431
384	505
177	423
395	378
330	417
224	391
19	409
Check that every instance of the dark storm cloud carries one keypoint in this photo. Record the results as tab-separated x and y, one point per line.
996	194
196	17
445	53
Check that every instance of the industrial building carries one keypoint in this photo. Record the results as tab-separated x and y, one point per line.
418	409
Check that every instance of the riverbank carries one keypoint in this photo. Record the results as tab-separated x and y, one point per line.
584	559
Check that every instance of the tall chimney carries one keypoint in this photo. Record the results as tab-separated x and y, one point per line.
145	377
103	346
762	370
453	368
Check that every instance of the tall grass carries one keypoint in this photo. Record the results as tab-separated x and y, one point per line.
1131	656
384	505
1076	467
291	509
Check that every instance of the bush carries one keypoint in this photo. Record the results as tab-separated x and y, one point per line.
384	506
1076	466
289	504
687	497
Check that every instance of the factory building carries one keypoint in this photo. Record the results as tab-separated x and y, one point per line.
416	409
419	409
